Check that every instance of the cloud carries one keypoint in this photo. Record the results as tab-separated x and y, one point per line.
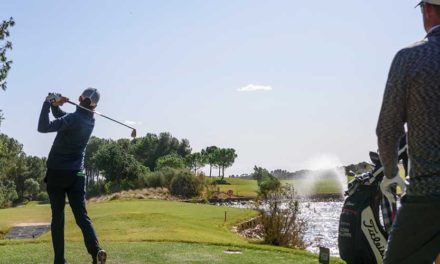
131	123
254	88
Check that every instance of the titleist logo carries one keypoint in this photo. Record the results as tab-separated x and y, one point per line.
375	236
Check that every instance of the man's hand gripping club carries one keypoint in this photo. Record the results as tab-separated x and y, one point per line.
56	99
387	184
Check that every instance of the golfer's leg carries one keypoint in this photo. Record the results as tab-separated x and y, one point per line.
428	217
415	235
57	202
76	196
428	253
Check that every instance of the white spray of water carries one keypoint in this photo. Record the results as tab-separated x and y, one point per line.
323	168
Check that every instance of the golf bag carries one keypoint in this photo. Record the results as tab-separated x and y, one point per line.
362	237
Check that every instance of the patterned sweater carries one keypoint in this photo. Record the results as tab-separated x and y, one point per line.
412	97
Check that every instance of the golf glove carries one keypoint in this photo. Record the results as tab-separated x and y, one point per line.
56	99
387	183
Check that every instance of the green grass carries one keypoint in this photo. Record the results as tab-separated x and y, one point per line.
148	231
139	220
247	188
154	252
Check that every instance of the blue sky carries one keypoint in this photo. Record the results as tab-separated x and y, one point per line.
178	66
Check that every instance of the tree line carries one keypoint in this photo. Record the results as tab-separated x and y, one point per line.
123	162
21	176
114	165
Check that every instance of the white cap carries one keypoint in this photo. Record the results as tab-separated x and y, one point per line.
432	2
92	94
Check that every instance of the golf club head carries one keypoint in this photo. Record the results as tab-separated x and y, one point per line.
133	133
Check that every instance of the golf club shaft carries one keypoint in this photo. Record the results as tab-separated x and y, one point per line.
92	111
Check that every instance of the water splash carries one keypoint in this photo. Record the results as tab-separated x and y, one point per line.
324	162
324	170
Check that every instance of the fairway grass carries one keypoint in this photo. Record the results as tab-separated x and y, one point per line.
140	220
240	187
155	252
148	231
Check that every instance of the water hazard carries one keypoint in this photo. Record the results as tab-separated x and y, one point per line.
322	219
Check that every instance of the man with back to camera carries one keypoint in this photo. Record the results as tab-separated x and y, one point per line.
65	166
412	96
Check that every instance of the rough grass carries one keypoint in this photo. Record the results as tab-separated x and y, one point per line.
146	193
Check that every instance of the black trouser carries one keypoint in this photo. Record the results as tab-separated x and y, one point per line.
415	234
60	183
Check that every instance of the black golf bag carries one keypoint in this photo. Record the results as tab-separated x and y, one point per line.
362	237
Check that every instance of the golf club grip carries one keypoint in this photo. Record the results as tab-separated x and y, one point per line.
82	107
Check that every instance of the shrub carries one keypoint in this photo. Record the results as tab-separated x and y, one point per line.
221	182
43	197
95	189
185	184
282	225
8	194
155	179
266	181
125	184
210	191
32	188
111	187
268	185
168	175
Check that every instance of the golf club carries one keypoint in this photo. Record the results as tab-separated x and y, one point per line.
133	133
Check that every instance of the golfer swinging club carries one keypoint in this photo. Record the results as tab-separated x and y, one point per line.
65	166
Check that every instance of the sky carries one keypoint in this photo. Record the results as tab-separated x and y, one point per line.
288	84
